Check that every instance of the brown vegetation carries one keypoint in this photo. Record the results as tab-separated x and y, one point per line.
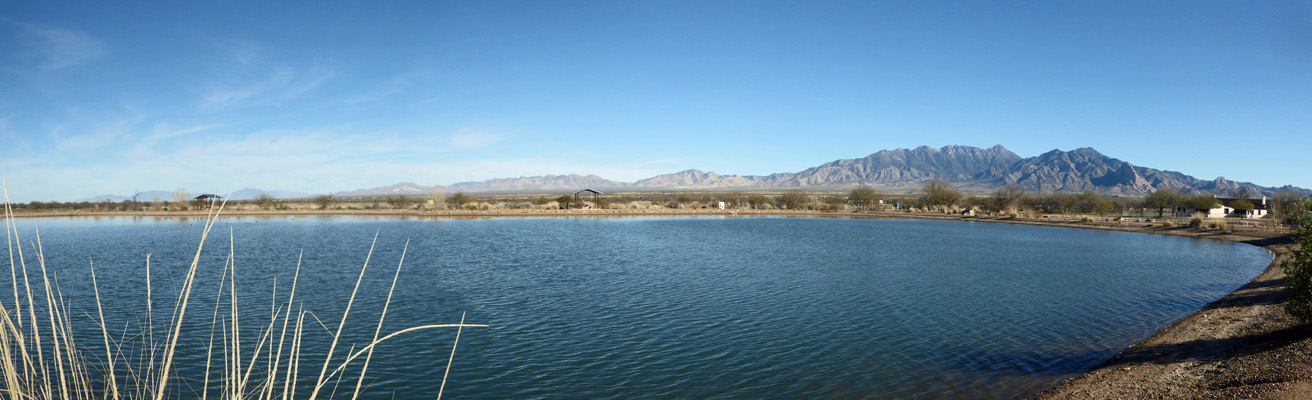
41	356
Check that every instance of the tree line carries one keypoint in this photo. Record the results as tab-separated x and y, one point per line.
934	196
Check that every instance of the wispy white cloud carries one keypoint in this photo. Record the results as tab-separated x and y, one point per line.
4	125
249	79
58	48
242	53
281	86
164	131
392	87
78	138
474	140
130	151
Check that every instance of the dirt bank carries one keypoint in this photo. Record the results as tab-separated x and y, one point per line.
1243	346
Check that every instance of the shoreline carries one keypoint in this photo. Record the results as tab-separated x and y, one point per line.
1241	346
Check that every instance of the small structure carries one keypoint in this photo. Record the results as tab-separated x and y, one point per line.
969	212
1226	208
207	200
595	195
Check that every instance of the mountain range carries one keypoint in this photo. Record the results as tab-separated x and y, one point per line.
901	170
152	195
906	170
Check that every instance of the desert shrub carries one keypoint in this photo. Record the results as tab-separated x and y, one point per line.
1167	224
1196	223
793	199
324	201
863	197
459	199
1298	267
939	194
398	202
265	201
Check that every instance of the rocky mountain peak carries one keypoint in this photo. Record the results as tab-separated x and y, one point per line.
903	170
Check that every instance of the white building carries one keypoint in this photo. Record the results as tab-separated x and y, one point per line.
1226	209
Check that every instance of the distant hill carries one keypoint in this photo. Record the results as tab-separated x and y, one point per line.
899	170
406	188
538	183
149	196
250	194
970	168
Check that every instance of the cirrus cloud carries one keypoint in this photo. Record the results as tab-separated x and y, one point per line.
57	48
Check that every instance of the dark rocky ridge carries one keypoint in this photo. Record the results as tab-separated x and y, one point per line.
905	170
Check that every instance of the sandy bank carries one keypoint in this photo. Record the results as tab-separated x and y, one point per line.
1241	346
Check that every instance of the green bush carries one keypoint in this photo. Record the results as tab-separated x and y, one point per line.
1299	266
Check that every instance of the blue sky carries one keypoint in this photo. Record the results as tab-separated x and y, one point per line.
104	98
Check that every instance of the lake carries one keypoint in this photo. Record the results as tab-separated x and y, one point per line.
652	307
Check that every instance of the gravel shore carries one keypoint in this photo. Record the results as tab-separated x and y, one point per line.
1243	346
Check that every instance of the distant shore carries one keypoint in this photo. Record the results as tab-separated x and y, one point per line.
1241	346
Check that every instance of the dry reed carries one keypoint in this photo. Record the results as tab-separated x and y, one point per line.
40	357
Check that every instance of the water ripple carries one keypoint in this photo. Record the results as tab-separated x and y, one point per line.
700	308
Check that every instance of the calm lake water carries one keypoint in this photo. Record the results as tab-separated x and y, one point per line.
671	307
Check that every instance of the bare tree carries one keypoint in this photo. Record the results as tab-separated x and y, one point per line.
1282	204
793	199
132	205
737	199
436	196
863	197
180	197
940	194
1009	198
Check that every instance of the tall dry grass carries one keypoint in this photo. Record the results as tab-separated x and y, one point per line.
40	357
